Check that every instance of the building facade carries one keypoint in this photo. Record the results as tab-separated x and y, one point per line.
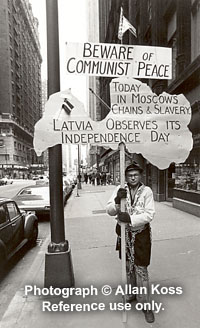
20	86
167	23
93	103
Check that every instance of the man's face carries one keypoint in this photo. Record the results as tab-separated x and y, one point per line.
133	177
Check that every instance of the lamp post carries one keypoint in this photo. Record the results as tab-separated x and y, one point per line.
79	169
58	263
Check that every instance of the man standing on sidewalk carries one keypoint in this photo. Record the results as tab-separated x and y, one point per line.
138	214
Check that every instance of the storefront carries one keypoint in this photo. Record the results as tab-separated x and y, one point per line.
13	171
110	162
37	169
187	175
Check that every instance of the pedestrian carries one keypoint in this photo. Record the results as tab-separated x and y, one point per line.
104	178
98	177
108	178
138	214
90	177
93	177
101	178
86	177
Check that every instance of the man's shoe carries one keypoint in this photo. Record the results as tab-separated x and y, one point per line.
149	316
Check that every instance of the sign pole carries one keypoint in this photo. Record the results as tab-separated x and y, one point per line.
77	193
123	225
58	266
79	169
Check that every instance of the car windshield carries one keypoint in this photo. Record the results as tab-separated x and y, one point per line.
35	191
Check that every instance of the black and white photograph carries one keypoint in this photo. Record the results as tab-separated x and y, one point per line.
99	163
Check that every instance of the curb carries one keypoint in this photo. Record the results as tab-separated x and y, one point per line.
15	308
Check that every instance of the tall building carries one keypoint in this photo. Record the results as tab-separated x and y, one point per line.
167	23
20	86
93	103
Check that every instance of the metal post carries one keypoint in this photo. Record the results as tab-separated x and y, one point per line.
58	266
79	169
123	225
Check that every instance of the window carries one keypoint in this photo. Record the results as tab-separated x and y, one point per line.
195	29
172	43
12	210
26	192
3	217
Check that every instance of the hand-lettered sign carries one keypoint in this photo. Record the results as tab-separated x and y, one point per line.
150	124
115	60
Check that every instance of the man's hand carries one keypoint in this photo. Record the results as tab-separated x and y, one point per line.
124	217
122	192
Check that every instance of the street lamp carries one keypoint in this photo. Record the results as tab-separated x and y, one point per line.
79	170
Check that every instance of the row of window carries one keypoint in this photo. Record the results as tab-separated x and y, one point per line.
21	159
20	147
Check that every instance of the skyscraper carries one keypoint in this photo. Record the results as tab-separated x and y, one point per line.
20	85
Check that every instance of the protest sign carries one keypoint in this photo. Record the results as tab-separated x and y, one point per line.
103	59
155	126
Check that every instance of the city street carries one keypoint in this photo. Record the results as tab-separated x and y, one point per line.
18	266
99	163
175	262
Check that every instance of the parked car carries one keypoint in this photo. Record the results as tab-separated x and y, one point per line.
35	177
16	229
34	198
43	179
68	187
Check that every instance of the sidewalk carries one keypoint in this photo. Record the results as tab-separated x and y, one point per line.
90	231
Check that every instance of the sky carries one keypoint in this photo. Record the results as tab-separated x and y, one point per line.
72	27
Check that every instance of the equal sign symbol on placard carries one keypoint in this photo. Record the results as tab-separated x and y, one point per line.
67	106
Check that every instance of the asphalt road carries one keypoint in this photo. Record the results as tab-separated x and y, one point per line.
18	266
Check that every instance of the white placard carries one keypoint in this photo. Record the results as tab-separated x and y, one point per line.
155	126
117	60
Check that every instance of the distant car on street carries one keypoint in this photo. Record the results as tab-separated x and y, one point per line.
6	181
34	198
1	182
43	179
35	177
16	229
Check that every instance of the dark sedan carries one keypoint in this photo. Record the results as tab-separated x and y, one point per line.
16	229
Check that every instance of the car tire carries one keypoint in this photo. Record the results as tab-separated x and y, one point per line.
33	239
